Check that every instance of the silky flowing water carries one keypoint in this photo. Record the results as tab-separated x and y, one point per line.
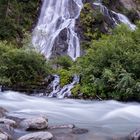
102	118
57	15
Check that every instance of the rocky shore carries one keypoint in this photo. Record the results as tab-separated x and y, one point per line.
37	128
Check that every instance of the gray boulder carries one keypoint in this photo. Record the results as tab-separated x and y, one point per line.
7	122
37	123
37	136
7	129
4	136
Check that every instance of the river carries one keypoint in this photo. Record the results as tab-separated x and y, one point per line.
102	118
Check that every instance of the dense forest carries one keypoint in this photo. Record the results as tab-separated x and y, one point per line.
108	68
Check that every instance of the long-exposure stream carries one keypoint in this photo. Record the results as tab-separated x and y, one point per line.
101	118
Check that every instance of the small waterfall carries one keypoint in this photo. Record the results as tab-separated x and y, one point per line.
123	19
57	15
66	90
115	18
56	86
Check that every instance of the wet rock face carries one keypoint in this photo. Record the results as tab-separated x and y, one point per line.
37	123
73	8
37	136
60	45
131	8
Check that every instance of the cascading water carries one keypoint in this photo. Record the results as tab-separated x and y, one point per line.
56	87
57	15
115	18
65	91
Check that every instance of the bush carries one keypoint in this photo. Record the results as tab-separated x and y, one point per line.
22	68
111	67
65	76
64	62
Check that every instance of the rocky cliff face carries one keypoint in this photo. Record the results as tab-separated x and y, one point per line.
131	8
92	22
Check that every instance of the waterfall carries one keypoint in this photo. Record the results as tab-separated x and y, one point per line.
56	87
57	15
64	91
114	17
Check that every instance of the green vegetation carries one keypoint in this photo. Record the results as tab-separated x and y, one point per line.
17	17
111	67
90	23
21	68
63	65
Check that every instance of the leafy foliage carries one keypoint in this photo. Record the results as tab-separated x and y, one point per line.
111	67
22	68
17	17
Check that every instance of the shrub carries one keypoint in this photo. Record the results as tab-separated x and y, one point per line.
111	67
22	68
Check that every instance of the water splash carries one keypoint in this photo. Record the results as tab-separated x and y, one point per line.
57	15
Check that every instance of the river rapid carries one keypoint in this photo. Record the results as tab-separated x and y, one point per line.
101	118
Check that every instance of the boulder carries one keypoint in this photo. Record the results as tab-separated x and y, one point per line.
7	129
135	135
36	123
2	112
37	136
4	136
8	122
